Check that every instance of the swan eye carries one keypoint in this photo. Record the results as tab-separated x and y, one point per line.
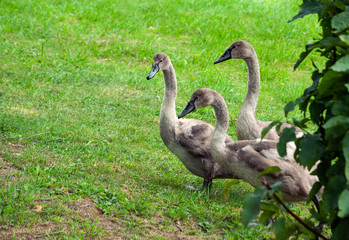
160	61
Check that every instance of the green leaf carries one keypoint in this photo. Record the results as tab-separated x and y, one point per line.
328	82
325	23
346	153
322	169
227	187
340	22
287	231
341	105
266	129
290	105
270	205
308	49
279	225
276	186
302	123
336	121
336	127
342	65
316	111
265	216
275	189
301	58
333	189
314	65
316	76
287	135
344	38
308	7
273	169
327	44
340	5
315	189
341	230
311	149
252	205
343	204
347	86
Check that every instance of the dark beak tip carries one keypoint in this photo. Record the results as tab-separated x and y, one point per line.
219	60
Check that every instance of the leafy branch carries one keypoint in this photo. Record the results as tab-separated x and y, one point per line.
325	103
289	211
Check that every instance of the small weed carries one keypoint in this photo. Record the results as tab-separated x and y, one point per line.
205	225
108	201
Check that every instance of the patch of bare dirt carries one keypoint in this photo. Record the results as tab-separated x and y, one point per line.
38	231
179	230
115	228
86	209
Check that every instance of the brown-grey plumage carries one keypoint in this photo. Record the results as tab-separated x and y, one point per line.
188	139
248	127
247	158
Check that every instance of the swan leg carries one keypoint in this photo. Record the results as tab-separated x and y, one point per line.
316	202
317	205
270	222
206	185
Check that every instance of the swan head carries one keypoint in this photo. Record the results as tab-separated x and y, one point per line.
202	97
161	62
238	50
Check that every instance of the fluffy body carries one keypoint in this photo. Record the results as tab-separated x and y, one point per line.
188	139
248	158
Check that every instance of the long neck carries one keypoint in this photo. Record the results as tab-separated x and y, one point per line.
168	107
251	98
222	121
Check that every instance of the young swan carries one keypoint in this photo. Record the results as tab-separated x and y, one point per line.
247	126
248	158
188	139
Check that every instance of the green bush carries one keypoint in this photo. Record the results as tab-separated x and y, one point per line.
326	104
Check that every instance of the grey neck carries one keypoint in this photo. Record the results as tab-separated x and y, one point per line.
222	119
251	98
168	107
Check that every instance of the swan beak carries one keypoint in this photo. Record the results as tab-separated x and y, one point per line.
188	109
226	55
154	70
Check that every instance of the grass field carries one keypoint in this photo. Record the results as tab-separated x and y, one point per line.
80	151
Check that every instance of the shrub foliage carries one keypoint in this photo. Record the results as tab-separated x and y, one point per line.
326	104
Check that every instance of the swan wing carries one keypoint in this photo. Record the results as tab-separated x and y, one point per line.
195	136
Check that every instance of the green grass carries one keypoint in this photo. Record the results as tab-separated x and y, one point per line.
78	120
